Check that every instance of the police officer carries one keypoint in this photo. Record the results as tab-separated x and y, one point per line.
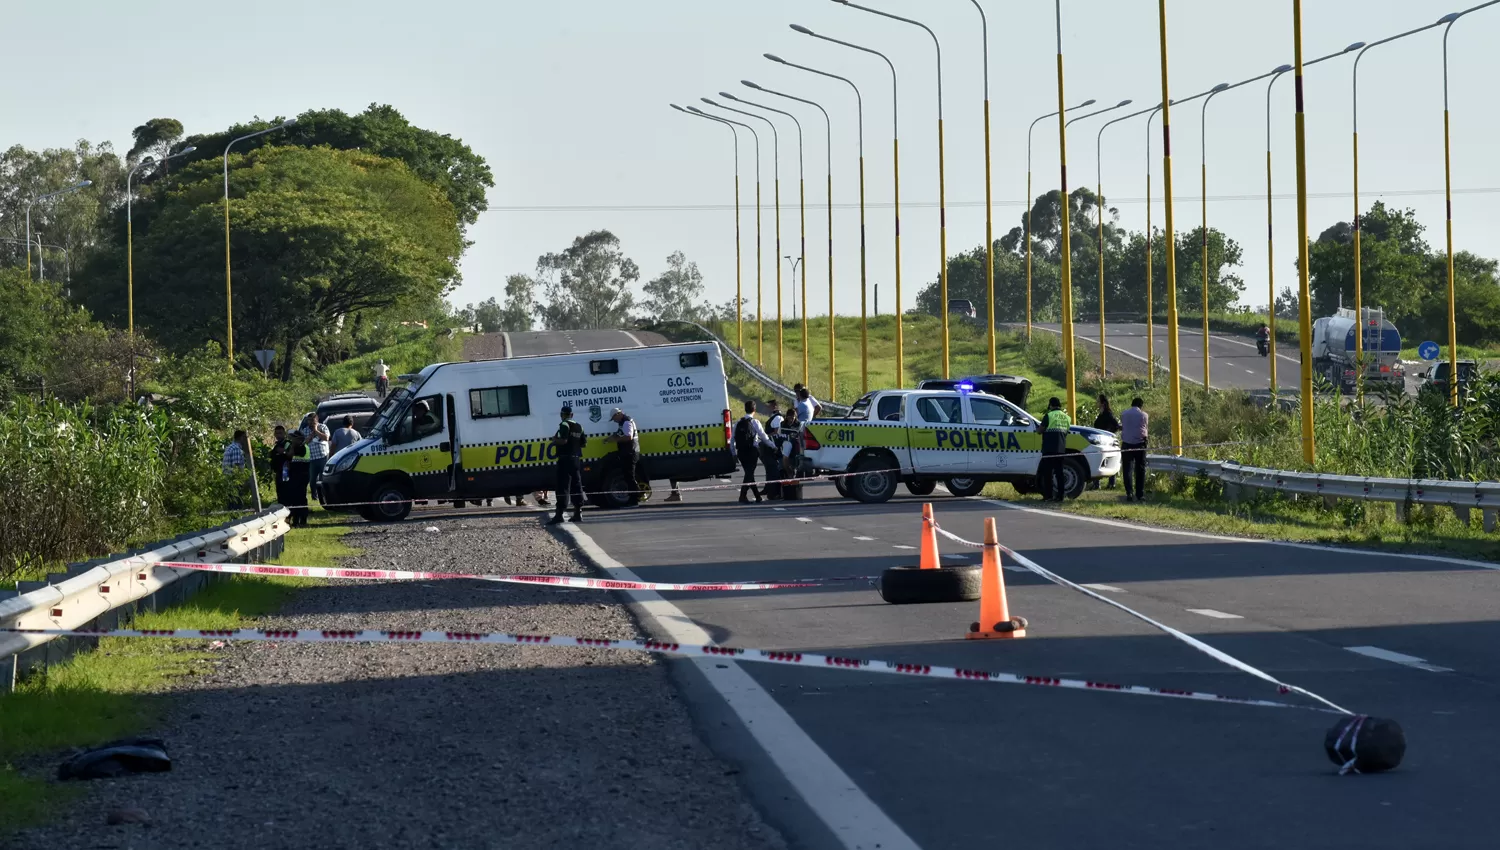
1054	428
628	440
569	442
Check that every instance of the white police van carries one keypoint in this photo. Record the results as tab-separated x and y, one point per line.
488	423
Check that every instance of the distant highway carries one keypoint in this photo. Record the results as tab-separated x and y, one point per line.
1233	360
523	343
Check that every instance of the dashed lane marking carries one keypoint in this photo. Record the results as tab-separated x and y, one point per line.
804	519
866	539
829	528
1398	658
1105	587
912	548
1217	615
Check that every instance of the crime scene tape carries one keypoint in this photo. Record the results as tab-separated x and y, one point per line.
792	658
1216	654
543	580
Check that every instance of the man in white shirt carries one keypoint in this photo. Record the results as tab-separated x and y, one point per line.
382	376
628	440
317	437
749	437
808	407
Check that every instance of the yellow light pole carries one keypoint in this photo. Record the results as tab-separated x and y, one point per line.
74	188
1067	244
802	208
739	300
989	194
228	274
130	235
942	180
1099	174
1068	341
1309	446
896	175
1150	262
1450	20
1270	230
828	127
1203	264
864	338
1174	375
776	167
1031	201
760	331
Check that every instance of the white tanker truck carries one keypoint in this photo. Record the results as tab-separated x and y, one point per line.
1333	348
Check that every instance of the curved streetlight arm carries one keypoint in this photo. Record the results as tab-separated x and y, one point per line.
1052	114
895	101
693	110
858	98
775	137
1099	140
1097	112
984	37
935	43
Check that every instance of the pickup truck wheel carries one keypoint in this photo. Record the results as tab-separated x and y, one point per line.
911	585
1024	486
841	484
876	480
964	487
1075	477
918	487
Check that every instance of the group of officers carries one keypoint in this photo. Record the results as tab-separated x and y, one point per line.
775	445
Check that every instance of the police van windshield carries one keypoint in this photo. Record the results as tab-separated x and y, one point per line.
389	412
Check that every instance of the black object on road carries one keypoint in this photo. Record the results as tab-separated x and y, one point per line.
1364	744
118	758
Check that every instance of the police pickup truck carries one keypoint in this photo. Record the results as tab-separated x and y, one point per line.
962	439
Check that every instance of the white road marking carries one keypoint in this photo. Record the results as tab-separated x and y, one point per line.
1250	371
1108	587
778	509
804	519
1199	535
1397	657
1217	615
864	538
829	528
635	339
830	793
957	557
912	548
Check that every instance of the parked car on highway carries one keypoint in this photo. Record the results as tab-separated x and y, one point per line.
962	439
485	425
1435	379
963	308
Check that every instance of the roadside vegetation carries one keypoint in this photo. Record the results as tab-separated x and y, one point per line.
113	691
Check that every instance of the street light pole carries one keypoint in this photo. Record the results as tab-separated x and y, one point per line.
864	338
1030	203
1067	244
989	186
130	236
802	207
776	176
229	275
1150	262
1203	170
896	175
828	127
1309	446
942	182
1174	378
759	327
739	301
1099	209
75	187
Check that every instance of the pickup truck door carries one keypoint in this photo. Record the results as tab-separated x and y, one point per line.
937	434
1012	445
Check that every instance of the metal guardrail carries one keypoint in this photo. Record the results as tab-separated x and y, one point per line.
105	592
757	374
1461	496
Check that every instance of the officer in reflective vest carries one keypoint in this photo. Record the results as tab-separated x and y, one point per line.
569	442
628	440
1054	428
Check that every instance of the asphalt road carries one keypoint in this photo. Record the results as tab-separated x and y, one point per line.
953	764
1233	360
850	759
523	343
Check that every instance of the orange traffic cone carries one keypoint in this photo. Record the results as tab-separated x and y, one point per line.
995	620
929	560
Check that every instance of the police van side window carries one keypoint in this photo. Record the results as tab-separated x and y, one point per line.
940	410
889	409
988	412
495	402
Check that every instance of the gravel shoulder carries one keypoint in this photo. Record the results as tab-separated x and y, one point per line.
374	746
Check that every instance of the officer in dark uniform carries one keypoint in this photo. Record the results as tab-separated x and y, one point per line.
569	442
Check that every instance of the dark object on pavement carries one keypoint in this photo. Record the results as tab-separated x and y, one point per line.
1364	744
117	758
910	585
120	817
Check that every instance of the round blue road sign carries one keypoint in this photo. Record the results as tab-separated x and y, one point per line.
1428	350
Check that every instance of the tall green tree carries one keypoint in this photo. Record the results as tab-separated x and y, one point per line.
155	138
316	235
72	221
676	292
520	304
588	284
1395	265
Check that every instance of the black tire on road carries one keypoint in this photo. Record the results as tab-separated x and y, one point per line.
876	480
841	484
617	486
393	502
964	487
1024	486
912	585
919	487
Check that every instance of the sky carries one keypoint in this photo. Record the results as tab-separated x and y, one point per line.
569	103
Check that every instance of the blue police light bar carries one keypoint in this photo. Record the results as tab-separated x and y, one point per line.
965	386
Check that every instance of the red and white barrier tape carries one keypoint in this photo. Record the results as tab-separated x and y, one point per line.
801	659
545	580
1216	654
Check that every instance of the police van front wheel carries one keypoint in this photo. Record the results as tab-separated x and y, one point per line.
619	490
392	502
875	480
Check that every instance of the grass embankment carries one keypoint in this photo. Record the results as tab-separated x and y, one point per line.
113	690
968	354
414	349
1483	354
